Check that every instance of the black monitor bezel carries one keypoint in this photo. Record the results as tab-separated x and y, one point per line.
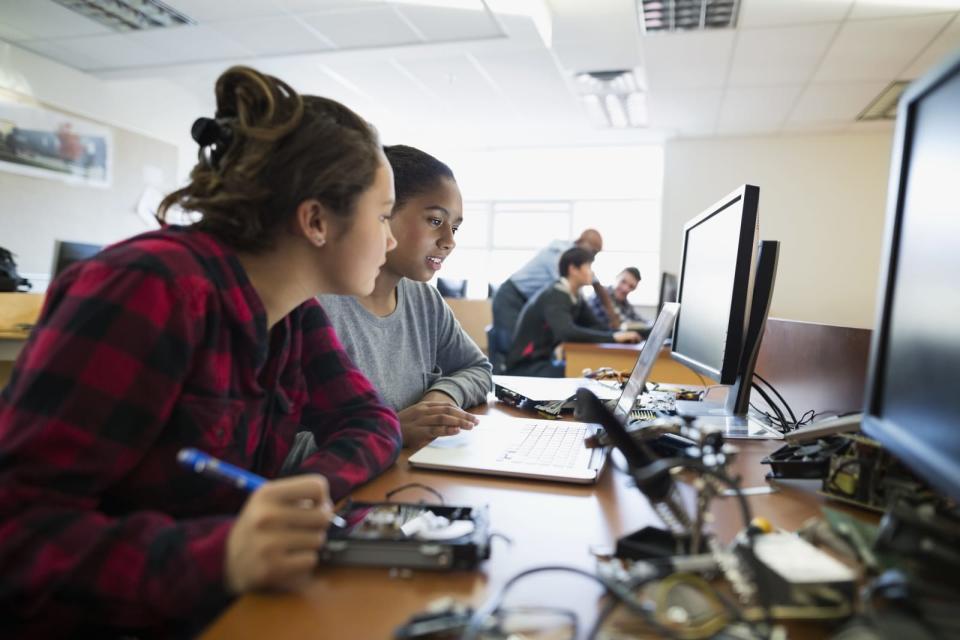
748	197
67	250
663	288
897	439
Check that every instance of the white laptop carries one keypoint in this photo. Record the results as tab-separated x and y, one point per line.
541	449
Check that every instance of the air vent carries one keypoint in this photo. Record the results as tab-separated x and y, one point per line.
884	106
687	15
128	15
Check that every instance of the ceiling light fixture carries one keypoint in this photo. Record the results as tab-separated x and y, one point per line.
884	106
613	99
128	15
687	15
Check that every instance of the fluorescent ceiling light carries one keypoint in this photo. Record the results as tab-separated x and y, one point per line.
128	15
613	98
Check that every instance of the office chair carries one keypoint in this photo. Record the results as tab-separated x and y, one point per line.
450	288
498	343
492	290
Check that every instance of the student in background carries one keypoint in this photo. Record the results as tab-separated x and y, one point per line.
206	336
559	314
403	336
532	277
624	312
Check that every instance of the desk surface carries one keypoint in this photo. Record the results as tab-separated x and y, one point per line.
549	523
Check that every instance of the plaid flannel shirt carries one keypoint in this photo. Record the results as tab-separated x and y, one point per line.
159	342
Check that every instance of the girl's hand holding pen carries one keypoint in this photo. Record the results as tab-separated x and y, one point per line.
274	541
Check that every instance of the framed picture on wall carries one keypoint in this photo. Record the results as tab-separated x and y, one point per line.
36	140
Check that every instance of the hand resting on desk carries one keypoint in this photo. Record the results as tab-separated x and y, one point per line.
435	415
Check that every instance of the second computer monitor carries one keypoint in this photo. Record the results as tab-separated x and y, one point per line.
715	282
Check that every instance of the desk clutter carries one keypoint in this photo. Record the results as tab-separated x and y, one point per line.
679	581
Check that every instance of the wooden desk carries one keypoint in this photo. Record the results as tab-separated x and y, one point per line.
549	523
15	309
586	355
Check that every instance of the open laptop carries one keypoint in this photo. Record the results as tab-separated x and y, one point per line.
541	449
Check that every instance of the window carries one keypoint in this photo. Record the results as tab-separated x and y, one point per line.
616	191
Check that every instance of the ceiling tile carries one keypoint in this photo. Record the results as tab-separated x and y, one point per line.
785	55
73	57
946	44
117	50
192	43
687	60
462	86
689	111
768	13
868	9
312	6
274	36
205	11
877	49
45	19
442	24
11	34
831	126
756	110
360	27
834	102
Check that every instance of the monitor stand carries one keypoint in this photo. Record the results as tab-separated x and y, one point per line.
733	415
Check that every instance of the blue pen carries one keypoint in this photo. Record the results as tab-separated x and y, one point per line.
207	465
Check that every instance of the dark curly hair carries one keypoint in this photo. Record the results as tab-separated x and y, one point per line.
283	148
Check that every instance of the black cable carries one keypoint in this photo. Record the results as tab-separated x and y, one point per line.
414	485
777	393
784	425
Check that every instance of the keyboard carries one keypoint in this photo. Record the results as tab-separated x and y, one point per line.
550	444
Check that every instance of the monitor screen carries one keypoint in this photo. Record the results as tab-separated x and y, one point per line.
66	253
913	407
715	277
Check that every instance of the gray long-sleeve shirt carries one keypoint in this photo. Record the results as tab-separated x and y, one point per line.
419	347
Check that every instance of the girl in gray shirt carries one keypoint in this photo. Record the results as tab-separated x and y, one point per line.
403	336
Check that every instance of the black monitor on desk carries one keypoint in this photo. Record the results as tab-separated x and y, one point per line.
668	289
726	285
66	253
912	403
716	276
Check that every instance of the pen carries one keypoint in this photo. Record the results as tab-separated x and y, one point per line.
207	465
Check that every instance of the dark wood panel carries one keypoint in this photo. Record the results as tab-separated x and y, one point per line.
815	366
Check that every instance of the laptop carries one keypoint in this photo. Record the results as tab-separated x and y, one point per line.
541	449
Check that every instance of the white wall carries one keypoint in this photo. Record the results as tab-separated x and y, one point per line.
822	196
151	120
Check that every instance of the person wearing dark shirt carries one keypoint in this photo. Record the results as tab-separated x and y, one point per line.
206	336
559	314
626	283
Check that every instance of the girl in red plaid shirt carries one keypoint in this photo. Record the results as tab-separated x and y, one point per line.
205	336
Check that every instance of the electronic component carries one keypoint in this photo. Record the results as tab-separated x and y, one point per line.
404	535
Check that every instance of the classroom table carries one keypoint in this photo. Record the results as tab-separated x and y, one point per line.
546	522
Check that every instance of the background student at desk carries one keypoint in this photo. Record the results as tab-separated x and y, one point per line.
558	314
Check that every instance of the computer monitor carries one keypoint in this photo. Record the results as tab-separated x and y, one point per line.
668	289
715	285
66	253
911	402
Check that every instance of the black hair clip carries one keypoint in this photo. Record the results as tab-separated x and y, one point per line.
214	137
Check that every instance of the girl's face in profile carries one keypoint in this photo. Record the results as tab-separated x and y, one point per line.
354	257
424	228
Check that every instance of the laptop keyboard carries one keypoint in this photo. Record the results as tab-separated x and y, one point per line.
549	444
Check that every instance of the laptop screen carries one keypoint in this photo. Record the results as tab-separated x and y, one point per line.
648	355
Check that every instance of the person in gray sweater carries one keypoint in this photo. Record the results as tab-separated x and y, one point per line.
403	336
